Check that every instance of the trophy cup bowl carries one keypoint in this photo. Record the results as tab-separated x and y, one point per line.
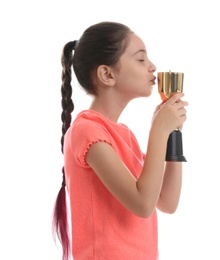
170	83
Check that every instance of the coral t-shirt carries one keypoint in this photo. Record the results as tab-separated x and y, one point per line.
102	228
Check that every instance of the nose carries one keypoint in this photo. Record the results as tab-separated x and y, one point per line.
152	67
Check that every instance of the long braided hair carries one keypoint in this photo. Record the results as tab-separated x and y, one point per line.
60	218
102	43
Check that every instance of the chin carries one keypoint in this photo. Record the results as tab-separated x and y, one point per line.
149	92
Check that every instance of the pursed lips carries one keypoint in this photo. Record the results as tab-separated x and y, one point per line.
153	80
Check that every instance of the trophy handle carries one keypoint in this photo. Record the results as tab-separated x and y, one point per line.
174	151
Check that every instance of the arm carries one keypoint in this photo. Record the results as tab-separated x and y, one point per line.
140	196
170	192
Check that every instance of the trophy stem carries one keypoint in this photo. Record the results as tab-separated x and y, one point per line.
174	151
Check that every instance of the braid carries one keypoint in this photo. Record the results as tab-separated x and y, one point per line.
66	89
60	221
66	93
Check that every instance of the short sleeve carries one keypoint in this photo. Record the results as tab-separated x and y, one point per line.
83	135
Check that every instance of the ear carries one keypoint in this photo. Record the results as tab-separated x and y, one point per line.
105	75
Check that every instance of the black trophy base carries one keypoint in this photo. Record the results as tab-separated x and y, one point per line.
175	147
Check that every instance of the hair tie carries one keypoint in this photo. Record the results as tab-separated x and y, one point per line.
75	43
69	47
63	182
64	179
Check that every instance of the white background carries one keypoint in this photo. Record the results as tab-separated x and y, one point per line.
180	36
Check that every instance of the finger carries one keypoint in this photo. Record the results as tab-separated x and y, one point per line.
180	104
175	98
158	107
182	112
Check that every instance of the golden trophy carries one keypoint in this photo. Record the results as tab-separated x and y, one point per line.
170	83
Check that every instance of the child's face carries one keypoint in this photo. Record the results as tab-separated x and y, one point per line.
135	76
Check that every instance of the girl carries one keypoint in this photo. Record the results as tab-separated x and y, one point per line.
114	189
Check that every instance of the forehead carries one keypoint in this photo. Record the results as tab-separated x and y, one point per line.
135	44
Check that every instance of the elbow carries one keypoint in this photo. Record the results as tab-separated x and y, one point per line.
147	212
172	209
144	211
168	209
167	205
145	215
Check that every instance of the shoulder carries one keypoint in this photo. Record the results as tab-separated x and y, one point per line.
91	127
87	129
89	123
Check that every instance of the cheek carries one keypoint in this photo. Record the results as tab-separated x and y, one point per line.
132	75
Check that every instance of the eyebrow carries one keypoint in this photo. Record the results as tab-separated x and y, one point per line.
141	50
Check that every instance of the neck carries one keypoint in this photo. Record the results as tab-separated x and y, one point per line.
110	108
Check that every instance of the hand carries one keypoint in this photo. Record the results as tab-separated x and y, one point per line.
181	126
170	114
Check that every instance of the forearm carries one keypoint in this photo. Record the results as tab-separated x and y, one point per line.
150	182
171	188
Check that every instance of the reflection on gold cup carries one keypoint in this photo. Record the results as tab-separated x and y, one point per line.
169	83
